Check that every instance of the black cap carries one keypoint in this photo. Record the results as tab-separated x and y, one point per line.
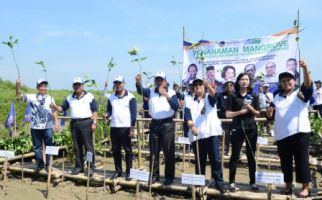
210	68
318	81
228	82
197	80
285	75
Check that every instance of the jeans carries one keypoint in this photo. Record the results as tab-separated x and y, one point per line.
38	137
210	147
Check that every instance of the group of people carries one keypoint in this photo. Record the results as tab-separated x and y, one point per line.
202	109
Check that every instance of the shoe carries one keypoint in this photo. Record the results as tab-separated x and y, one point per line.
286	192
222	189
154	180
254	187
168	182
233	188
116	175
77	170
303	196
127	177
38	169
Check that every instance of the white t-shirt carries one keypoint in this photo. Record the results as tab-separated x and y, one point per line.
208	124
291	116
159	106
41	113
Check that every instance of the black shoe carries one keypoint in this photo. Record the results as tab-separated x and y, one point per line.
286	192
127	176
116	175
77	170
168	181
154	179
38	169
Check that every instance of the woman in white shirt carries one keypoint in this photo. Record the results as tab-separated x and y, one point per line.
292	129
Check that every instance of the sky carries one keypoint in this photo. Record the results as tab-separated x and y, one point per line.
78	37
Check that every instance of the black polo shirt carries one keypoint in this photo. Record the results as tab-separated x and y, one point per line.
235	102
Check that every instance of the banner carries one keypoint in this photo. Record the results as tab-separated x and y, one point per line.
262	58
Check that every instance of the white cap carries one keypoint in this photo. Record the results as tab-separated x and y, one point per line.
119	79
160	74
77	80
266	85
40	81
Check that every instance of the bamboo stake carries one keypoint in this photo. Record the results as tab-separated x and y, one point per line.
193	191
199	169
22	165
137	190
151	175
49	174
184	157
104	169
5	176
257	155
88	171
63	168
139	145
269	191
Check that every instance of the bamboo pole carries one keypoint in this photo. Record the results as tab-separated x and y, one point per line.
137	190
151	175
5	177
139	145
49	174
63	167
193	191
175	188
88	171
184	157
22	165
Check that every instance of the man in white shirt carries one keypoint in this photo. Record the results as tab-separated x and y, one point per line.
121	107
163	103
83	111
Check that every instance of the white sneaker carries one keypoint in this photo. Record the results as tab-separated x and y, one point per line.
233	188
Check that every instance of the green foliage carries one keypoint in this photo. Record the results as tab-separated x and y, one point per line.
11	43
316	125
20	144
111	64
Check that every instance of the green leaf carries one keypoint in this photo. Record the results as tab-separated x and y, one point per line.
135	60
295	23
144	58
297	38
133	52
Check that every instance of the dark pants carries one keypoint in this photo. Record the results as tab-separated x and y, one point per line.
38	136
237	140
319	110
162	136
82	134
211	147
120	137
296	146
